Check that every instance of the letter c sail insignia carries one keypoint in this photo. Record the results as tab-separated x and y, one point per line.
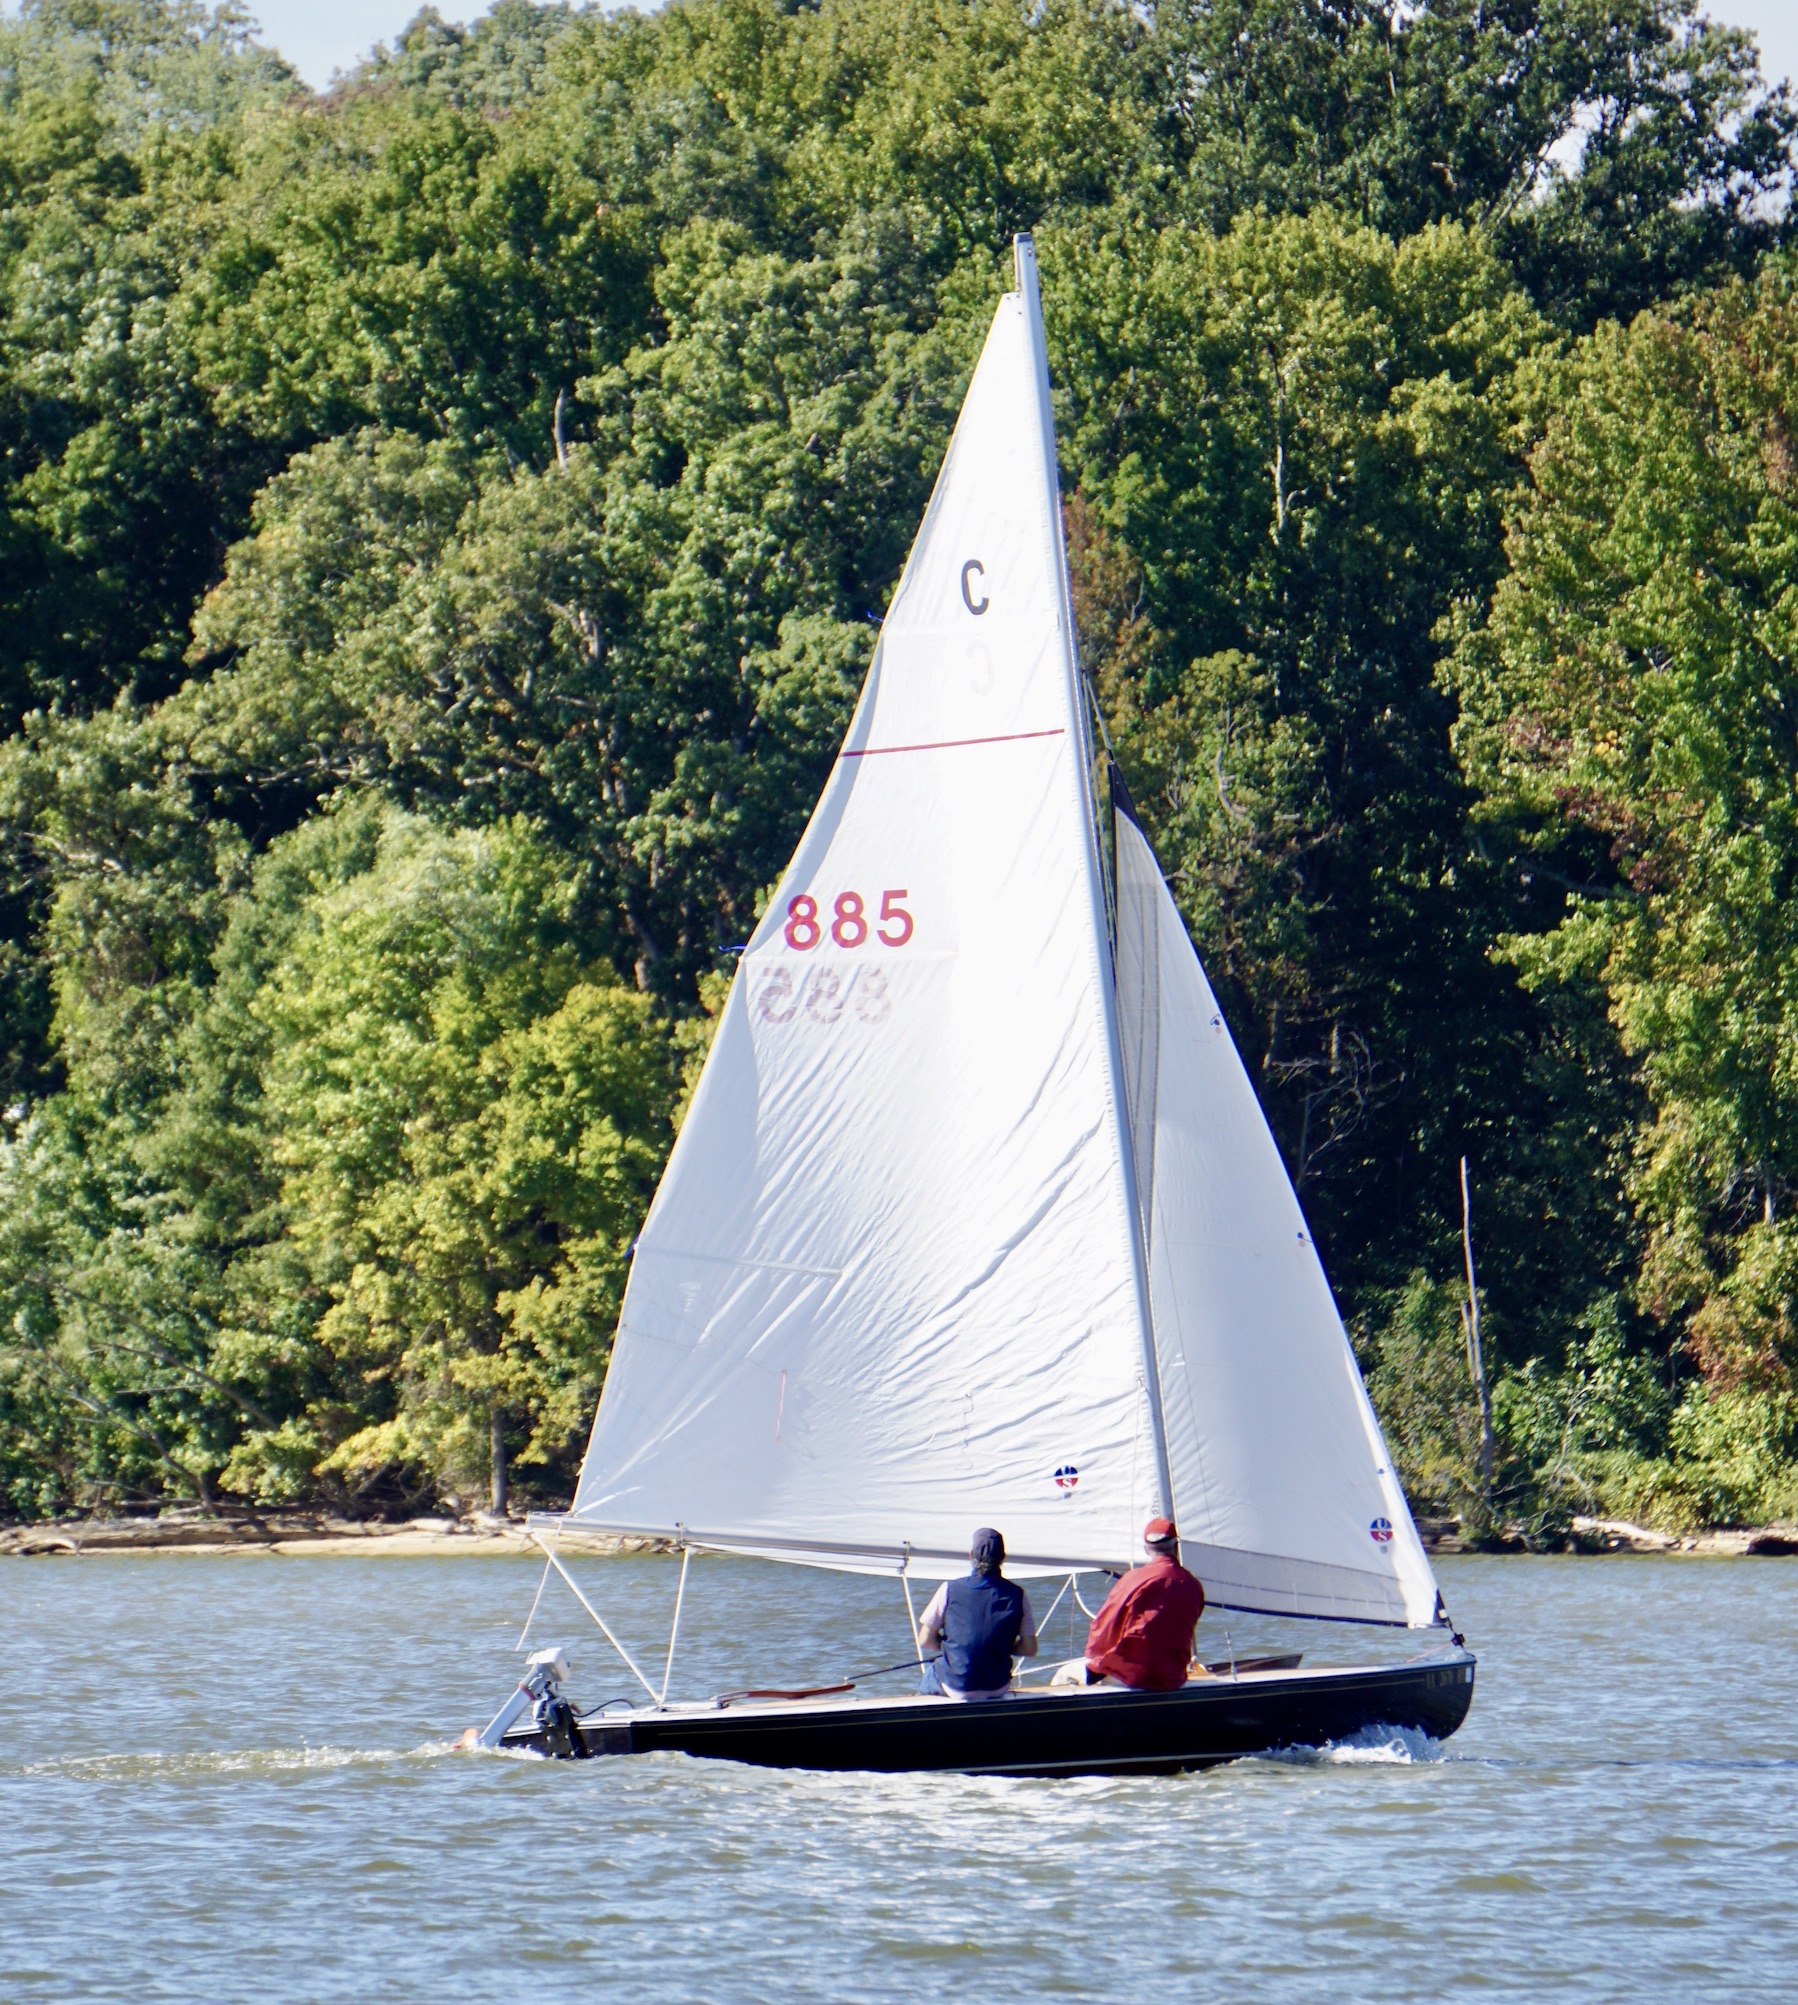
973	565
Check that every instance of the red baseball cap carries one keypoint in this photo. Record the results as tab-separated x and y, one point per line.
1158	1531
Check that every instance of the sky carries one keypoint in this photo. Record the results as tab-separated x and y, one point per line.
1774	21
319	36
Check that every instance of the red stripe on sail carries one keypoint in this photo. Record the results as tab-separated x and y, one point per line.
953	744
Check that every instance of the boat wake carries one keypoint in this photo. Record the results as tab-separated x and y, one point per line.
153	1766
1372	1747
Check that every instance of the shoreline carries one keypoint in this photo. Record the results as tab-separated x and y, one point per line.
1751	1542
304	1534
298	1534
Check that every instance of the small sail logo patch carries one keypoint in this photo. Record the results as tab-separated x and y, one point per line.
1066	1477
1380	1531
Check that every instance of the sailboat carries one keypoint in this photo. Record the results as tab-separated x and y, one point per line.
975	1220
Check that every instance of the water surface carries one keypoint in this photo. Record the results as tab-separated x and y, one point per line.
227	1779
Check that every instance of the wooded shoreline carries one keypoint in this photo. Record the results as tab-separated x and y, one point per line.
312	1535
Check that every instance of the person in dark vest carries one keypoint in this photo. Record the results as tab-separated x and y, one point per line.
979	1624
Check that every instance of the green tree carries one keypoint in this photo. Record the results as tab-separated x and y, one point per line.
1294	445
371	1233
117	122
1629	709
470	1117
1616	152
401	260
653	645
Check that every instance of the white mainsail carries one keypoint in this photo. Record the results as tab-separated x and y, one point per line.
891	1286
965	1227
1287	1498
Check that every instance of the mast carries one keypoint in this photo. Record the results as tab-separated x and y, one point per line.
1024	256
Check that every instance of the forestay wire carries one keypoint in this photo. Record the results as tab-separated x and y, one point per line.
630	1661
536	1601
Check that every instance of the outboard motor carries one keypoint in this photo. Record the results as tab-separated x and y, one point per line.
560	1728
555	1718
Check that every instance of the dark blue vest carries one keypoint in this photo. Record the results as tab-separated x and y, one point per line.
982	1620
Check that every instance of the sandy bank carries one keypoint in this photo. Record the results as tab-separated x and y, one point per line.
1618	1535
1608	1535
294	1534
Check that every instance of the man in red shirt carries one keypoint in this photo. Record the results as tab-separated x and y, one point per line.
1142	1635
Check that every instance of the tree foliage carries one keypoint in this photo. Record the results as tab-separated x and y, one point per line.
1632	699
443	525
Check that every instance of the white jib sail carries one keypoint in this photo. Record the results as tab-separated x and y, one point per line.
1286	1497
890	1288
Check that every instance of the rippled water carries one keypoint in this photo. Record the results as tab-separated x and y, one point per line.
227	1779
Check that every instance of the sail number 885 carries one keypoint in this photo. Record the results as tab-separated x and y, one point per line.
849	925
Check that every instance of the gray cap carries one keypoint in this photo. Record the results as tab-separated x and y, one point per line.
987	1550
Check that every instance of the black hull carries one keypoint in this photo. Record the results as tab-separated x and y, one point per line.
1055	1732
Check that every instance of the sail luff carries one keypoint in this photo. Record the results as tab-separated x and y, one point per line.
1024	250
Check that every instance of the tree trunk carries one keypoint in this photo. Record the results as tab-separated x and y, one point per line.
1476	1359
496	1436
